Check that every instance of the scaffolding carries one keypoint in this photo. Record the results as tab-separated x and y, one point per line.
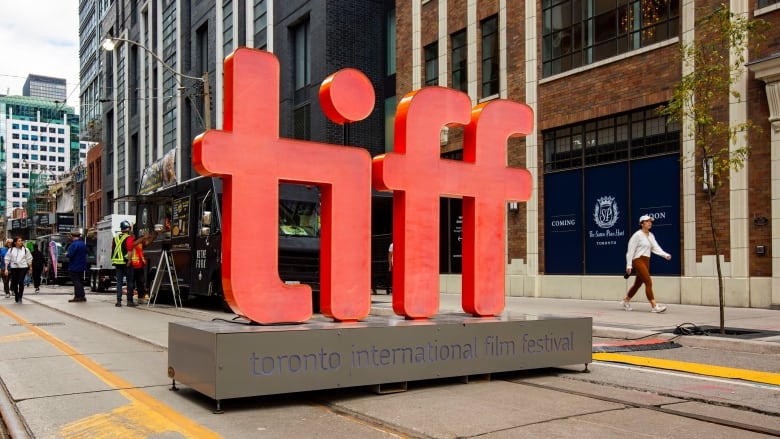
40	205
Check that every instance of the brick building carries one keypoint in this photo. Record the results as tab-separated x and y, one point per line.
595	74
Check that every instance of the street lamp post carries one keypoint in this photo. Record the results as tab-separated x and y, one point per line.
110	43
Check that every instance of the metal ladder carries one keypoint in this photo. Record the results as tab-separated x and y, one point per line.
166	264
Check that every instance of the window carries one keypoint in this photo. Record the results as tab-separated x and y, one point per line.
391	49
581	32
765	3
459	61
43	148
302	127
302	57
490	69
260	15
61	159
34	157
227	26
640	133
432	64
390	107
61	150
52	130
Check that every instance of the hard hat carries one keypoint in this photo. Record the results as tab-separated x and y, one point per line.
124	225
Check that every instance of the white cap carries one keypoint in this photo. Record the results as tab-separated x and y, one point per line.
644	218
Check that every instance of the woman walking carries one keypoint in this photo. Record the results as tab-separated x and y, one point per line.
38	264
18	262
640	246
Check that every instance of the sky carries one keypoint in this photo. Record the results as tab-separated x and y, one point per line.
39	37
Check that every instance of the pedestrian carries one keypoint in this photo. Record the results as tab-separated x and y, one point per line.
77	265
38	264
3	251
390	269
138	262
640	246
18	262
121	247
28	277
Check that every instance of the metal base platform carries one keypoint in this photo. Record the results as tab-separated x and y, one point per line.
225	360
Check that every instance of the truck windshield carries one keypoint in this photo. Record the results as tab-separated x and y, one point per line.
298	218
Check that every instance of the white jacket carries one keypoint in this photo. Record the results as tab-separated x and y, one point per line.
641	245
18	258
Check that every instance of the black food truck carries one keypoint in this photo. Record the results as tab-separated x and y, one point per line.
190	212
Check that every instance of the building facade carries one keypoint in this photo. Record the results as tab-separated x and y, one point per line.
601	155
169	54
45	87
39	140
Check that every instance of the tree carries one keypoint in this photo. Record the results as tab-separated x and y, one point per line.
713	65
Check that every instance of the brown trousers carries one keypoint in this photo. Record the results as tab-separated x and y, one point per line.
641	267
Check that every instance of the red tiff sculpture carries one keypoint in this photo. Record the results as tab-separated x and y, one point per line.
252	160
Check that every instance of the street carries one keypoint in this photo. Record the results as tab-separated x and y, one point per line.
72	371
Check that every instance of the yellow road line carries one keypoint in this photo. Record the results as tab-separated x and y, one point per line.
697	368
144	404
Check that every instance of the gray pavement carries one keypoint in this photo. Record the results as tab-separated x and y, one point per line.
529	407
150	323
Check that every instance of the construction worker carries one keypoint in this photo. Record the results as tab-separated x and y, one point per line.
121	248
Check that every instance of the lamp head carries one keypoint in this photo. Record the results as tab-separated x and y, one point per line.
108	44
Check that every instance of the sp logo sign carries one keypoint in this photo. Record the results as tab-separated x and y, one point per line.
252	160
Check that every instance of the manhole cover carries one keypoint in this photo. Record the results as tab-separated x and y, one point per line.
39	324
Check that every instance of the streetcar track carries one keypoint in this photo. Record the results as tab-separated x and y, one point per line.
659	409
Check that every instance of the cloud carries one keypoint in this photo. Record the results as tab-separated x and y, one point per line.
39	37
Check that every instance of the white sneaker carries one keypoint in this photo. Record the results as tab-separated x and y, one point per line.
658	308
626	305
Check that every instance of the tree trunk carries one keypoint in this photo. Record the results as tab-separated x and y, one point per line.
721	288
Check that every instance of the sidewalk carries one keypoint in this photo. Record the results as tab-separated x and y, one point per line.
609	319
